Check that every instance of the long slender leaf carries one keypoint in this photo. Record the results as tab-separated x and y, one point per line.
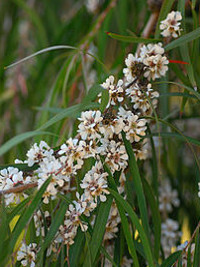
20	138
171	259
132	39
155	217
125	205
99	229
137	184
51	48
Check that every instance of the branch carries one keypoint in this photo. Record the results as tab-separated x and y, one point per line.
18	189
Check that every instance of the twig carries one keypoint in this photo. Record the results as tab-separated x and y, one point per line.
18	189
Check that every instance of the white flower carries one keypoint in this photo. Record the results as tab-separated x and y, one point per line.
89	126
88	204
73	151
171	25
154	60
37	153
156	66
131	62
95	183
167	197
111	125
116	91
72	221
89	148
141	98
133	126
151	50
27	254
199	190
54	169
115	154
10	178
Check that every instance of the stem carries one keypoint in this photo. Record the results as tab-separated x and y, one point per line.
18	189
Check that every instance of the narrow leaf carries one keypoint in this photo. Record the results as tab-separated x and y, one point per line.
132	39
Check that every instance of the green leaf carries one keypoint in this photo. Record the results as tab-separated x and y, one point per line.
92	94
51	48
18	209
124	221
183	39
99	230
20	138
127	234
137	184
104	100
191	90
132	39
126	206
165	9
171	259
155	217
76	249
22	167
178	136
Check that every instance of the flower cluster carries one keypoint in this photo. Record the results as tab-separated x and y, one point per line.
150	63
99	139
171	25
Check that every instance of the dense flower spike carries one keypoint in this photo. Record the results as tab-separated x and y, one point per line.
171	25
